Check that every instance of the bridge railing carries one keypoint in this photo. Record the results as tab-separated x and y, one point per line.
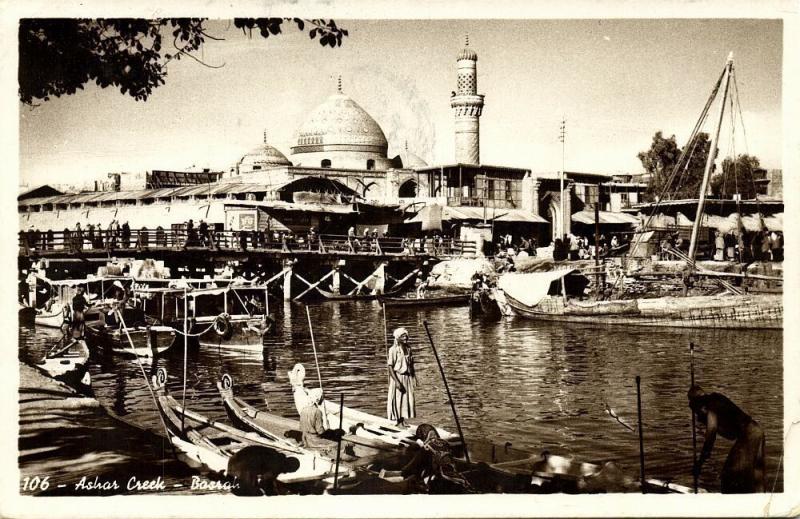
73	242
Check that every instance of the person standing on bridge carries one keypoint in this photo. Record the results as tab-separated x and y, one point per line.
401	404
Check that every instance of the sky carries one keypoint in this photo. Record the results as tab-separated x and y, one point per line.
615	82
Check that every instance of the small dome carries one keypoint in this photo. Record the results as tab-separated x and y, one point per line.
467	53
408	160
263	155
340	124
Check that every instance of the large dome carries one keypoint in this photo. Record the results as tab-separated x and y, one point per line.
340	124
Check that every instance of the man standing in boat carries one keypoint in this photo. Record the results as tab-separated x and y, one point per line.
79	305
400	404
743	471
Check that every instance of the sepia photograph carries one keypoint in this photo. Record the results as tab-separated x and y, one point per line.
386	256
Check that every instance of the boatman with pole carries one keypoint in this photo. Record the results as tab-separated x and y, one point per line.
400	403
743	471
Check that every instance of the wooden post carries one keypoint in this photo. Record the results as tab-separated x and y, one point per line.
287	283
641	436
598	292
447	388
694	423
185	353
339	441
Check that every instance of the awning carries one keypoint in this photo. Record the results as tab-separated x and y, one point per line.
530	288
605	217
477	213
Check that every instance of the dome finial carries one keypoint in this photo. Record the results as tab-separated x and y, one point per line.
406	144
339	84
466	40
265	135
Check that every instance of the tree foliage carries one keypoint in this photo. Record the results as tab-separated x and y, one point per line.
58	56
668	178
738	176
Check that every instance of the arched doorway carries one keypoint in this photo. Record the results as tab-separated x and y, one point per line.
554	215
408	189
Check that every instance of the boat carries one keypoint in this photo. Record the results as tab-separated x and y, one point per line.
145	341
52	316
67	362
235	332
540	296
428	300
535	295
370	442
208	445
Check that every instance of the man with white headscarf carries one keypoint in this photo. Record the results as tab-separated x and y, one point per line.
402	380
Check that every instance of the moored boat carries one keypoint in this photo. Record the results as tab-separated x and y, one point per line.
145	341
235	332
428	300
354	446
68	363
536	295
209	445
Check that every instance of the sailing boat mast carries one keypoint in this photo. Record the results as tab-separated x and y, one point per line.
712	152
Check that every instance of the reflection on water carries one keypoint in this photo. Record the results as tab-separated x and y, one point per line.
536	385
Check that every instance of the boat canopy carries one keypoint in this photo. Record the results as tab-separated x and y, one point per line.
530	288
461	213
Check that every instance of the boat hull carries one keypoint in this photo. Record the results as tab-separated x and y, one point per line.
452	300
147	342
751	312
70	367
245	336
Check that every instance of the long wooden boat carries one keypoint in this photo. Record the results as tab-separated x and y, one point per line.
353	446
68	363
206	444
451	299
148	341
354	297
708	311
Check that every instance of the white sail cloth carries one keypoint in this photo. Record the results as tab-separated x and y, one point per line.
529	288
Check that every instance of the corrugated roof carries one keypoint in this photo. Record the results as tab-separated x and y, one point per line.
606	217
477	213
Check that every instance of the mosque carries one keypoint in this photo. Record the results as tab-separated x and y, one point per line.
338	174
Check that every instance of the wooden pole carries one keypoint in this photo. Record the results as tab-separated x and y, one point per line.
339	441
710	162
641	436
316	362
694	423
385	331
598	291
447	388
185	351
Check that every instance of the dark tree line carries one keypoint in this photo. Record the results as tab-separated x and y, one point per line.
58	56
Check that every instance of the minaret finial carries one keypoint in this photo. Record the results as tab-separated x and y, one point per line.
339	84
406	144
265	135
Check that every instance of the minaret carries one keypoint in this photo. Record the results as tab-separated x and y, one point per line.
467	105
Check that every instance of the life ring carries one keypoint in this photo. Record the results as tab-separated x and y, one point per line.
222	326
227	381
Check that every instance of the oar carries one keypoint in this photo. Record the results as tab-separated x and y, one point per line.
339	441
641	437
316	361
447	388
694	425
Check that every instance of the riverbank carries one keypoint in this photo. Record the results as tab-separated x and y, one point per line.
68	445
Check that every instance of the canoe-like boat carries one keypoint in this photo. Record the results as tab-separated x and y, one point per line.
354	446
68	363
451	299
208	445
148	341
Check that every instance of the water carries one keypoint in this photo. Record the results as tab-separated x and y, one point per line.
538	386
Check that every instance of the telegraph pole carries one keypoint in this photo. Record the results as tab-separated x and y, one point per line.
561	137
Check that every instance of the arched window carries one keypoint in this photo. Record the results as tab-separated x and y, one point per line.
370	164
408	189
326	163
